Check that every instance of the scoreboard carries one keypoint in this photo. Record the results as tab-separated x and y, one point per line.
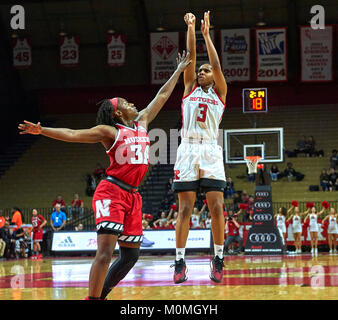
255	100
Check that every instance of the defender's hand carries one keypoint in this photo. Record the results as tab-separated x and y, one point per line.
183	61
29	127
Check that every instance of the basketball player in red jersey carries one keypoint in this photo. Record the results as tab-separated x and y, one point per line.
199	162
38	222
116	203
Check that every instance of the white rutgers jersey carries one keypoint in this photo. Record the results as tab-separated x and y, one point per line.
201	114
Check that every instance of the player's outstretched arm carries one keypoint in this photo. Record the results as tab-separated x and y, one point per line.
190	71
96	134
149	114
219	79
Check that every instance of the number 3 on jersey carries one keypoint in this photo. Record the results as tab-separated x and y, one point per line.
140	157
202	112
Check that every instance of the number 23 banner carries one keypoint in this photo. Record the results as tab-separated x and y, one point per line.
164	49
271	53
69	51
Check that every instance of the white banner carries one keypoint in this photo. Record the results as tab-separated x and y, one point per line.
316	54
22	53
69	51
235	45
271	53
116	50
152	240
164	49
201	48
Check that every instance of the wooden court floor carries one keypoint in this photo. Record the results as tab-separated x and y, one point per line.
285	277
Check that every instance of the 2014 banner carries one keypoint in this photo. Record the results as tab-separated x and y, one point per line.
271	54
316	54
116	50
164	49
69	51
22	53
235	44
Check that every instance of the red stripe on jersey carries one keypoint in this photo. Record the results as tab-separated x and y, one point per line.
219	97
193	89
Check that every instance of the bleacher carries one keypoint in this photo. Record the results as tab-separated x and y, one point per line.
53	167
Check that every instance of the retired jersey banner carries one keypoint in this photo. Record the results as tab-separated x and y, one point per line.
201	48
69	51
22	53
235	45
164	49
116	49
316	54
271	53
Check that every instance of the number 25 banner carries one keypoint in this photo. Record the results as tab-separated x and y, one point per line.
116	48
271	53
164	49
69	51
236	54
22	53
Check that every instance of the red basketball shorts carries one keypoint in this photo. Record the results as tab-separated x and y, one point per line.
118	212
37	235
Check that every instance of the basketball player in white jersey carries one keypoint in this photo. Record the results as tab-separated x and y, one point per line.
332	230
199	160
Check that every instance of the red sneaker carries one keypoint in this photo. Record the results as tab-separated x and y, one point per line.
33	257
39	256
216	269
181	270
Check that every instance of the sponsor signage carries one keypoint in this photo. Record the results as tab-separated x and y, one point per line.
263	236
152	240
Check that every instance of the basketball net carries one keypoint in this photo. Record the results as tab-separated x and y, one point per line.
252	163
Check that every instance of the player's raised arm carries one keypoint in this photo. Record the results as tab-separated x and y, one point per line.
190	71
100	133
219	79
148	114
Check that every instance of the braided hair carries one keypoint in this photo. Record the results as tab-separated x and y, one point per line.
105	115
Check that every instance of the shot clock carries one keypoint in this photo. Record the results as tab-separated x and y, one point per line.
255	100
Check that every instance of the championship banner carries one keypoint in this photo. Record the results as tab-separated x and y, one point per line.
316	54
235	44
116	50
271	54
164	49
22	53
69	51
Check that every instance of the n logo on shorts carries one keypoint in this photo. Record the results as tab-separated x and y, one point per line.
102	208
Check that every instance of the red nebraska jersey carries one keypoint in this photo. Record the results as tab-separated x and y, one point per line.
37	221
129	155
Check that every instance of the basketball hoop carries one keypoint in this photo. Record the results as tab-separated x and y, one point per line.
252	163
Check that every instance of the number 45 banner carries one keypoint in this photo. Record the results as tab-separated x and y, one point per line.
69	51
271	53
22	53
116	50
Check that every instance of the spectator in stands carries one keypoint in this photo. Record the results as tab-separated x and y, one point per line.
99	172
59	200
147	221
196	216
291	173
249	210
334	159
232	229
6	236
245	197
58	218
165	204
301	145
236	200
229	188
207	221
161	223
2	219
76	206
336	185
324	180
274	172
91	185
332	179
169	185
79	227
17	218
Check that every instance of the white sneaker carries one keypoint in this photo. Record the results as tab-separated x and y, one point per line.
312	251
316	251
